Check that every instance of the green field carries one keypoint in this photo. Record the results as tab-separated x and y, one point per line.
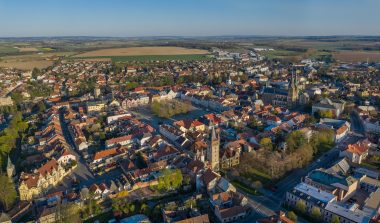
188	57
244	187
279	54
7	50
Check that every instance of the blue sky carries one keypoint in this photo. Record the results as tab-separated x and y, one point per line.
125	18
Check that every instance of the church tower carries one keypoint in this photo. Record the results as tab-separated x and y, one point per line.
293	91
213	149
10	168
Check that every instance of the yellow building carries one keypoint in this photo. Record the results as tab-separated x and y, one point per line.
95	106
230	158
35	184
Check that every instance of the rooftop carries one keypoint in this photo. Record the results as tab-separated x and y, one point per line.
343	211
314	192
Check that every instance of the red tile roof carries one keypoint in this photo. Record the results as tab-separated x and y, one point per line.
48	167
119	139
105	153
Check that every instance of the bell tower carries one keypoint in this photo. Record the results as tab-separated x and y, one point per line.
293	91
213	149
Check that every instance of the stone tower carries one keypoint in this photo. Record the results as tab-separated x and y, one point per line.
293	91
10	168
213	149
97	92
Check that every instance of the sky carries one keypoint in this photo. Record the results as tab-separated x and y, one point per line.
127	18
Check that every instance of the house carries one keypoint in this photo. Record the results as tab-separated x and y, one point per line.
122	140
165	153
310	195
337	184
345	213
190	125
230	157
341	128
273	120
231	214
170	132
198	219
6	101
48	215
108	158
328	105
280	217
208	180
81	144
34	184
66	157
95	106
357	152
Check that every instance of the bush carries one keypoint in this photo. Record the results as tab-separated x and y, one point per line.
292	216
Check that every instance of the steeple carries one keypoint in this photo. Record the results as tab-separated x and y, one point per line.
213	133
292	90
213	148
10	168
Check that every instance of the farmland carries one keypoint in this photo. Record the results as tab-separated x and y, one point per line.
27	49
356	56
7	50
29	61
149	58
142	51
26	65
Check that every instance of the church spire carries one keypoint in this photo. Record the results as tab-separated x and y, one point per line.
213	148
10	168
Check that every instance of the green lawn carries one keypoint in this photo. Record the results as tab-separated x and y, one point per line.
244	187
369	165
280	54
45	49
255	175
153	57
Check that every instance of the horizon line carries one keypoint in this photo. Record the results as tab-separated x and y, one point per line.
187	36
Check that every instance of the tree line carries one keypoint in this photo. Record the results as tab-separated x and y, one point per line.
300	151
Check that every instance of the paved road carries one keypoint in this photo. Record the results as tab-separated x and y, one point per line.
356	123
82	171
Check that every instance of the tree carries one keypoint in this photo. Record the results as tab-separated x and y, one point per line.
325	114
292	216
316	213
145	209
294	140
170	180
266	143
41	106
8	192
35	73
335	219
68	213
17	97
301	206
254	123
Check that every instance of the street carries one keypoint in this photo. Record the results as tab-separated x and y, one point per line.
82	172
356	123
